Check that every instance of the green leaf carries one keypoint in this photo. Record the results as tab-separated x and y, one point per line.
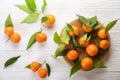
11	61
32	40
98	26
64	53
110	25
89	38
31	18
24	8
98	63
83	20
79	46
44	19
44	6
59	50
75	68
48	68
65	36
57	38
85	37
28	66
93	21
70	27
74	40
8	21
31	4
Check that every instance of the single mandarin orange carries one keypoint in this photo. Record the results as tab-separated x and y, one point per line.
81	41
86	29
50	20
104	44
15	38
102	33
76	31
92	50
34	66
72	54
41	37
87	63
42	72
9	30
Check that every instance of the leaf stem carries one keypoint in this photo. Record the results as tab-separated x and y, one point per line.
7	40
43	63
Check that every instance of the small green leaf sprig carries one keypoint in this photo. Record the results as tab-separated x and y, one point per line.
30	8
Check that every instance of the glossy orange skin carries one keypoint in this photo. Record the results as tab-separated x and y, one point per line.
42	73
87	63
82	42
41	37
102	34
86	29
15	38
34	66
76	31
9	30
51	20
92	50
104	44
72	55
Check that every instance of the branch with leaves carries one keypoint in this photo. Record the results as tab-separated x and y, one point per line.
38	67
30	8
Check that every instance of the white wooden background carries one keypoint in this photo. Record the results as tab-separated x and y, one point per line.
65	11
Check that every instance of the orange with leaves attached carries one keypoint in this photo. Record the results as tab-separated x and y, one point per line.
72	54
34	66
15	38
50	20
92	50
42	72
87	63
41	37
76	31
9	30
81	41
86	28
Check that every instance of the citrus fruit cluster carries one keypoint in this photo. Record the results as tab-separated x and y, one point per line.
14	37
83	43
37	67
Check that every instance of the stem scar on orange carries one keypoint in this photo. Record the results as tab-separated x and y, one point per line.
50	20
92	50
104	44
34	66
102	33
87	63
42	72
41	37
76	31
86	28
9	30
15	38
72	55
